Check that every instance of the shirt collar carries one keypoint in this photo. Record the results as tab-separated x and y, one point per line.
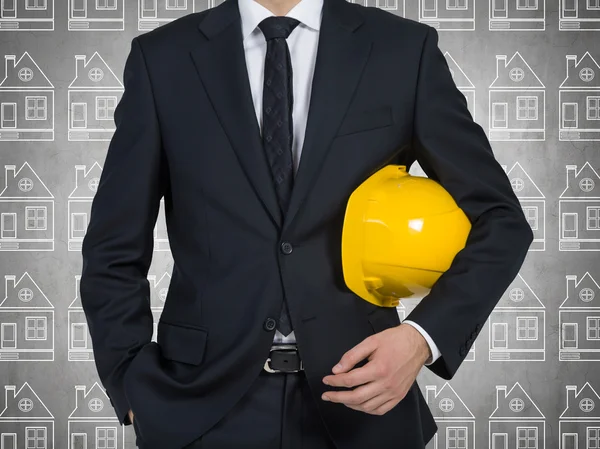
252	13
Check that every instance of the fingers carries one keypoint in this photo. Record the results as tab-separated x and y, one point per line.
356	396
356	354
353	378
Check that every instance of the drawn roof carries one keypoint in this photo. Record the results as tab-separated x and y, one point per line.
82	80
459	410
573	408
11	80
574	191
24	398
11	186
529	188
519	295
461	79
503	79
573	79
36	300
82	188
573	300
504	410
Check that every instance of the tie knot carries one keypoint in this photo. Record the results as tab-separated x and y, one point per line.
278	26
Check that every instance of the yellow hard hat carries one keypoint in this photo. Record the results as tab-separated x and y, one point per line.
400	234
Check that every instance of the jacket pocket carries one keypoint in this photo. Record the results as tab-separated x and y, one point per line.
182	342
366	120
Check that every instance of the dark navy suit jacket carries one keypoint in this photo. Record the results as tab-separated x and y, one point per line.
187	131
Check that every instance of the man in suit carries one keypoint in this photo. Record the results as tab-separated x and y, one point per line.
255	121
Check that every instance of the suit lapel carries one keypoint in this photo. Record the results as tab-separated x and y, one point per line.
221	65
341	57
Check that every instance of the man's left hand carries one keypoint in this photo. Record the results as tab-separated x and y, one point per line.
396	355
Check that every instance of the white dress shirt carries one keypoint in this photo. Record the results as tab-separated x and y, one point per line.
302	43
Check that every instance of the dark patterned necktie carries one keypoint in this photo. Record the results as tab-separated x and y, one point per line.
277	131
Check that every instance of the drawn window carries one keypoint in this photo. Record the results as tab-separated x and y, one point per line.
531	214
516	404
106	437
25	74
105	107
456	4
36	4
593	107
93	184
593	328
95	404
25	294
516	74
527	108
456	437
527	438
516	294
593	437
176	4
586	294
95	74
387	4
25	405
586	184
25	184
35	218
586	74
593	4
586	405
446	405
78	335
593	217
162	294
35	437
527	328
106	4
35	108
35	328
527	4
517	184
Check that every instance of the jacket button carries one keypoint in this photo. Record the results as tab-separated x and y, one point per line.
286	248
269	324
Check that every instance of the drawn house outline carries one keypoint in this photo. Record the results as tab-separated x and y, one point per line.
533	203
92	422
463	83
27	15
579	100
517	325
26	101
79	340
517	15
155	13
579	210
93	96
580	420
398	7
516	418
456	423
517	99
579	320
96	15
26	321
79	204
448	15
578	15
26	211
25	417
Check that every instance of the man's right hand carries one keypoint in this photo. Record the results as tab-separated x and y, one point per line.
131	416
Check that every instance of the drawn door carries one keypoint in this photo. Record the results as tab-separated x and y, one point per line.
499	10
8	9
569	9
500	115
499	336
79	9
499	441
569	225
8	225
569	335
569	115
8	335
429	9
9	115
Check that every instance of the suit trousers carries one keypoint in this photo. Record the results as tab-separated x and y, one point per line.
277	412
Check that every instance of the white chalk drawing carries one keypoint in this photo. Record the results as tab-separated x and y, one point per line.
26	15
96	15
517	15
579	423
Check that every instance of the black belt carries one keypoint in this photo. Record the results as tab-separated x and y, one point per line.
283	358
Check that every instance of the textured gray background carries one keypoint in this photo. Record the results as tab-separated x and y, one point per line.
544	381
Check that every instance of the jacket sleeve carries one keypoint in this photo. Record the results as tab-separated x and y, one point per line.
453	150
118	244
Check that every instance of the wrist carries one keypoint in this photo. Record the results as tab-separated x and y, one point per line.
421	344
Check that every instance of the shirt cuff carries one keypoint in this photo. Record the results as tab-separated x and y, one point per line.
435	352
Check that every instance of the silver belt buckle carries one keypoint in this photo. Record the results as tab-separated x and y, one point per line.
282	346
